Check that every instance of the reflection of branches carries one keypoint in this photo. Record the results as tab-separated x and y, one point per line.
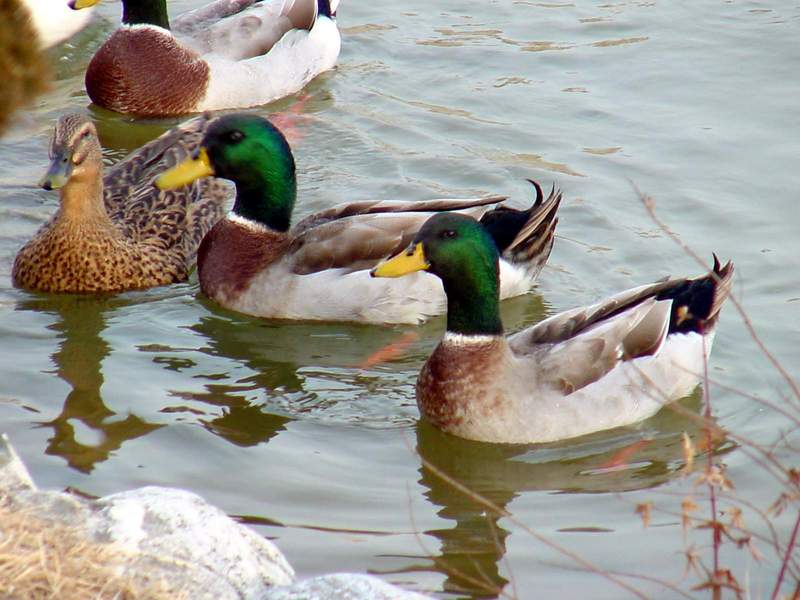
499	511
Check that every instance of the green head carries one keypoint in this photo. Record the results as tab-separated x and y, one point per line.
251	152
458	250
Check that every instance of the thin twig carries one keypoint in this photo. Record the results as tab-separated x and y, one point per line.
787	557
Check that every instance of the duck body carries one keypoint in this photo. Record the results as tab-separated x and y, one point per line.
592	368
254	262
321	272
116	231
228	54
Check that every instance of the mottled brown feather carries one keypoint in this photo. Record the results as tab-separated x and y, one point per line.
128	234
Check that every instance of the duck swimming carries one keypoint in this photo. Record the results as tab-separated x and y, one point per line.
116	231
591	368
256	263
227	54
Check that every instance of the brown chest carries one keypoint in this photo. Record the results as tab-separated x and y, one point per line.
460	383
232	254
146	72
59	261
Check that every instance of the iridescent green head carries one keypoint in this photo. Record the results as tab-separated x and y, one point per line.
251	152
458	250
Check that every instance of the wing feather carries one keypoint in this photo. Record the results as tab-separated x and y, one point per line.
357	235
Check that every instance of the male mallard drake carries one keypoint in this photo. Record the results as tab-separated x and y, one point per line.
254	263
587	369
117	231
230	53
54	21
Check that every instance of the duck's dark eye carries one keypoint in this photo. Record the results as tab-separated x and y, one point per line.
87	133
235	136
447	233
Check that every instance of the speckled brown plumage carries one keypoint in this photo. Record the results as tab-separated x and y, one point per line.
118	231
144	71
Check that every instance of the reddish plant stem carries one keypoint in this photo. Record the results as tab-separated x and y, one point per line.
786	558
712	493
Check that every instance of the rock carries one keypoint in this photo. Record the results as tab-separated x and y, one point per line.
162	538
342	586
158	543
180	527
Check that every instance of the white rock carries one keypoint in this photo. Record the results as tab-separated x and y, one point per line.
342	586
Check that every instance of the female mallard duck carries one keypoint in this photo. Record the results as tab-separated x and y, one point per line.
583	370
54	21
118	231
230	53
254	263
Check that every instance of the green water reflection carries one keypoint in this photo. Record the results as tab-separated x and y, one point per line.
471	552
78	361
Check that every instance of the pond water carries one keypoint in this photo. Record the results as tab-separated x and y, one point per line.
290	427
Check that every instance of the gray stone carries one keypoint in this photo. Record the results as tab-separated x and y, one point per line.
181	527
342	586
172	536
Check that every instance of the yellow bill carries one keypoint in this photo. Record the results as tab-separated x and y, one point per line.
402	264
79	4
186	172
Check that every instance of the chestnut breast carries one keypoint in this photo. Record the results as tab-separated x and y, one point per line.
232	253
458	383
145	71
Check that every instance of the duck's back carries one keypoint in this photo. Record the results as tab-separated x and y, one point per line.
173	221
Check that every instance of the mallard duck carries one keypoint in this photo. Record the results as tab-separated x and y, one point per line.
54	20
587	369
117	231
230	53
254	262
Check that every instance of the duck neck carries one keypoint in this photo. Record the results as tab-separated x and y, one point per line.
145	12
82	199
473	302
267	198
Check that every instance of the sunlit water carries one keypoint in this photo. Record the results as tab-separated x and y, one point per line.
694	103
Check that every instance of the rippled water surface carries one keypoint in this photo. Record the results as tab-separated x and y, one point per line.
286	425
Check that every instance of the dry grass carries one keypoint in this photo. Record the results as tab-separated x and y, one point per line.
40	559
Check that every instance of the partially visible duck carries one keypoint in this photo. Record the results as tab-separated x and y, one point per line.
256	263
22	62
117	231
587	369
54	20
228	54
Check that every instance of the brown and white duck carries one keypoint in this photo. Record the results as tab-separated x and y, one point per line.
584	370
227	54
256	263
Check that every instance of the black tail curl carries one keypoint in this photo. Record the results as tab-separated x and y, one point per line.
696	302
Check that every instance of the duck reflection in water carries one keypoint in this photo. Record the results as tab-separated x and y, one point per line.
80	323
471	552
